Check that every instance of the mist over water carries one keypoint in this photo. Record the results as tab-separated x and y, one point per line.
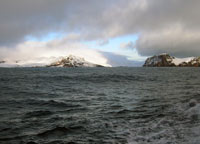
99	105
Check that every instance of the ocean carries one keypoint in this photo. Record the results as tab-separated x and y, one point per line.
99	105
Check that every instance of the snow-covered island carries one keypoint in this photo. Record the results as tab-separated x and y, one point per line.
165	60
73	61
62	61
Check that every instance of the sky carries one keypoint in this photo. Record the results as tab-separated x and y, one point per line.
108	32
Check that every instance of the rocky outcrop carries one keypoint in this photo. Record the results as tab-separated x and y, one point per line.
73	61
165	60
193	63
2	62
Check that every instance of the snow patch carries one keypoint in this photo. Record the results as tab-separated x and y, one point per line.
45	61
178	61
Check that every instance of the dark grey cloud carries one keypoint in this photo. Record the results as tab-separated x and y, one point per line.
27	17
162	25
19	18
176	41
169	26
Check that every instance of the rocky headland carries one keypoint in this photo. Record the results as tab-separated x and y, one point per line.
165	60
2	61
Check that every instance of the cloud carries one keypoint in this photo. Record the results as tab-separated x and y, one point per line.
176	41
21	18
170	26
38	53
120	60
38	50
129	45
103	42
163	26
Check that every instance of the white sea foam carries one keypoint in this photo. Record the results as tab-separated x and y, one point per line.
170	129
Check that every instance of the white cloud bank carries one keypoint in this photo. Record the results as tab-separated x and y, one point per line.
35	53
31	51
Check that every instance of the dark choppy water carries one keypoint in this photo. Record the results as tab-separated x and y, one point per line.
100	105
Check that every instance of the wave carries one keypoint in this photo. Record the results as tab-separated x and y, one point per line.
40	113
35	102
59	131
174	125
96	78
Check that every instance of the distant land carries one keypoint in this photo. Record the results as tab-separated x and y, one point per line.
161	60
68	61
73	61
2	62
165	60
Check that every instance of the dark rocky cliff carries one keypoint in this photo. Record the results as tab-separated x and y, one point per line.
165	60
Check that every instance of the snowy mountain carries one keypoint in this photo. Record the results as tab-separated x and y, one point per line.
69	61
35	62
72	61
165	60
